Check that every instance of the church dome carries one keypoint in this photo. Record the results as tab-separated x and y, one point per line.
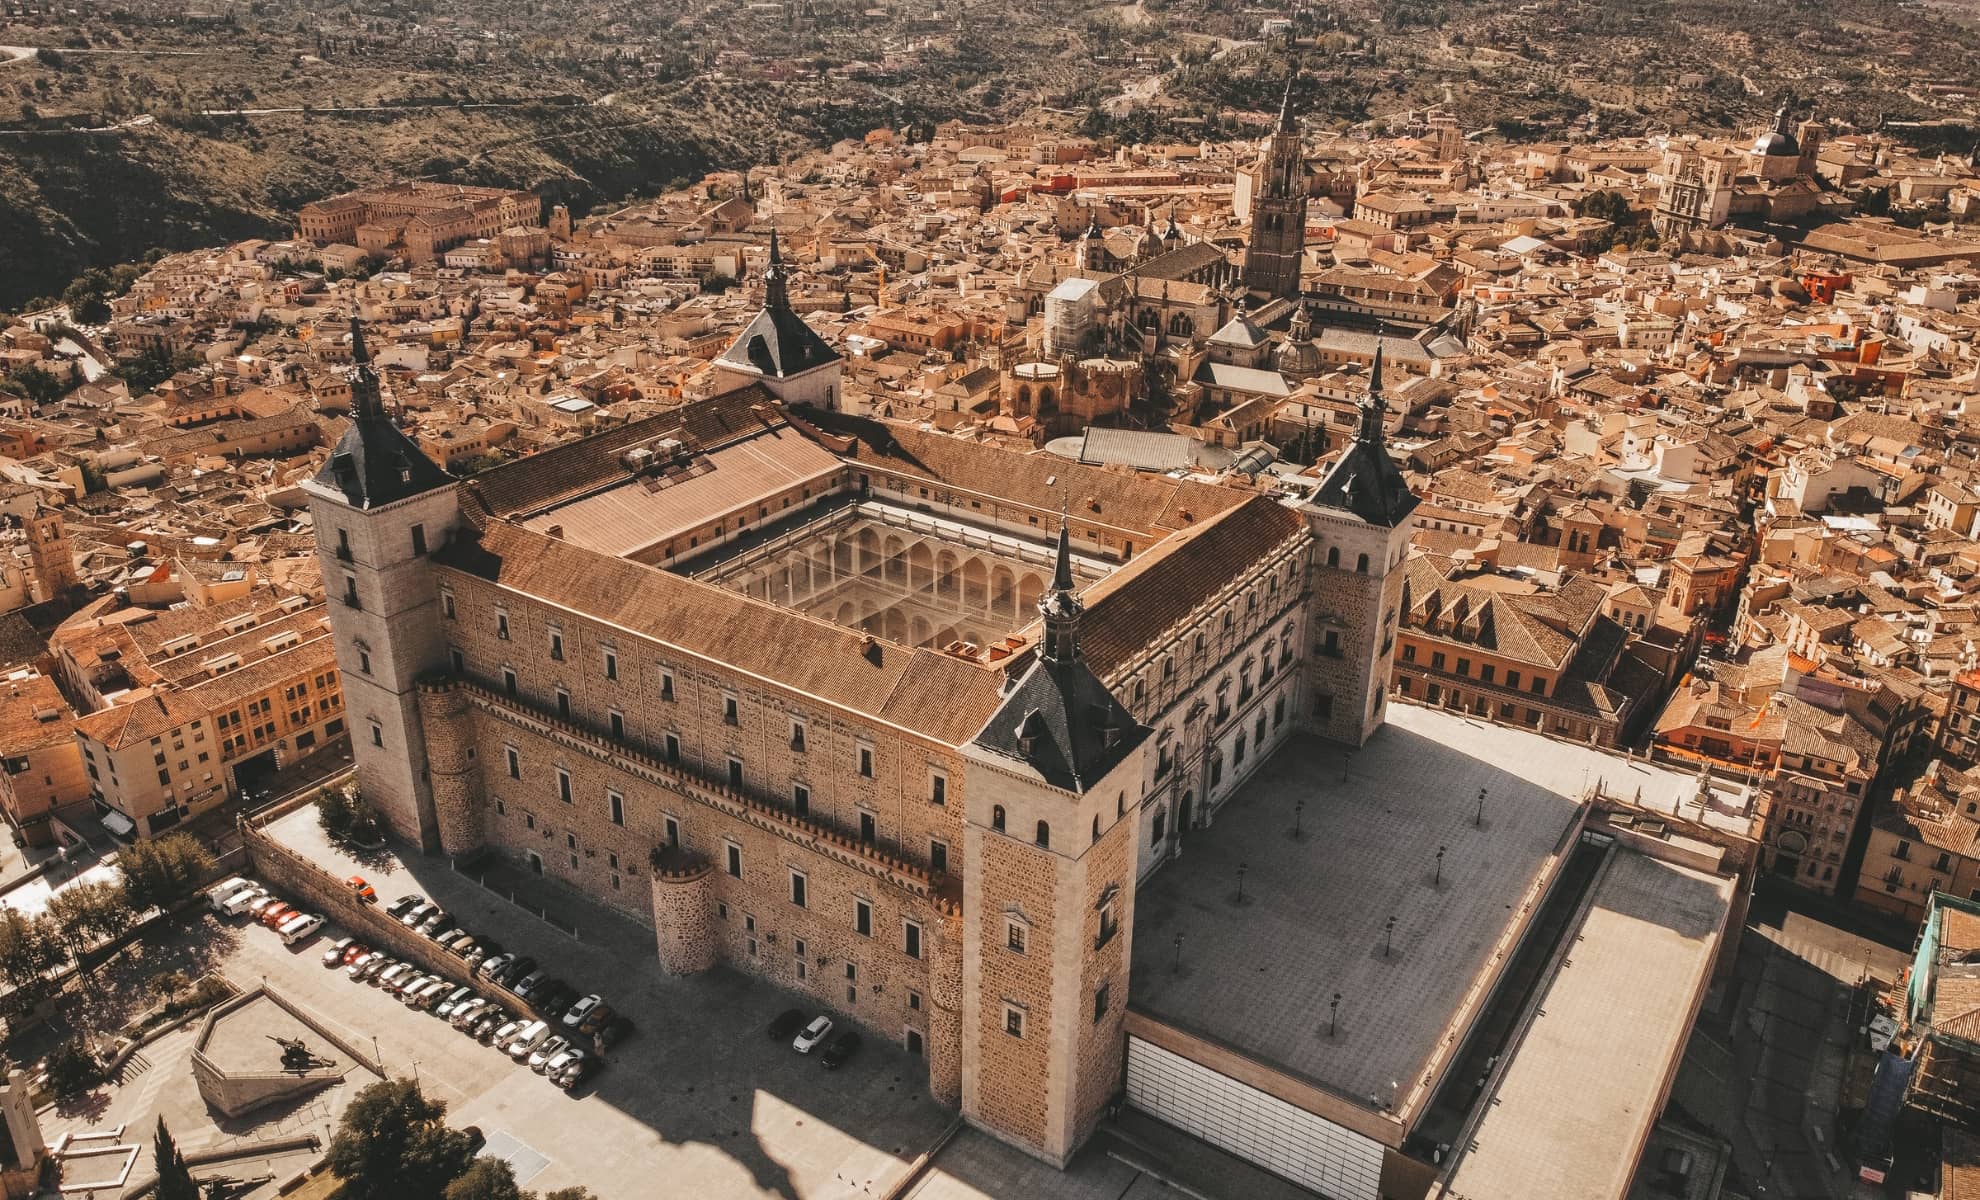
1299	356
1775	144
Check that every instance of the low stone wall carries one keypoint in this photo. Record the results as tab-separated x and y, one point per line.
295	876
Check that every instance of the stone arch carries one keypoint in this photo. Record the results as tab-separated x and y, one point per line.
918	631
1003	590
1030	588
842	557
921	567
975	583
894	625
947	636
946	580
975	637
894	559
1048	402
1024	399
869	552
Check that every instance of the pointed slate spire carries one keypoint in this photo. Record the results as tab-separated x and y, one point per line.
1061	606
776	286
366	400
1373	409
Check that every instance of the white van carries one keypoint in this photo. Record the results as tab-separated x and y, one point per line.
526	1039
296	928
218	895
238	902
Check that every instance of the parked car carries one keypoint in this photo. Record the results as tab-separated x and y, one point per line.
812	1034
475	956
403	905
507	1033
575	1018
391	973
410	980
787	1024
361	890
458	943
335	954
490	1023
546	1050
300	928
563	1059
595	1020
617	1030
493	966
517	969
365	964
579	1071
259	905
429	995
466	1011
529	983
525	1039
552	997
453	1000
220	893
417	913
842	1048
244	899
436	925
276	914
354	952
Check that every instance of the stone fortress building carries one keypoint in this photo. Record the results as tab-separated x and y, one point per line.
896	721
425	220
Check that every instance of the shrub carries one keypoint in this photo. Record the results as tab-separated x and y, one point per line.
72	1069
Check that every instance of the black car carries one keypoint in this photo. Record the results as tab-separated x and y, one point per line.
839	1050
403	905
516	970
610	1034
788	1022
587	1066
552	997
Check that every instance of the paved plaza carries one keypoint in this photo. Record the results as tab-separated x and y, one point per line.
1259	974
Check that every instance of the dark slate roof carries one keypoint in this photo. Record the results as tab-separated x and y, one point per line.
1066	713
375	464
1366	482
778	344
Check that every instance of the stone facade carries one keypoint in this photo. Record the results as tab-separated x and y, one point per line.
1357	588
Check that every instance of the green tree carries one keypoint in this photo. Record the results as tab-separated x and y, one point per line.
72	1069
90	911
486	1179
391	1145
161	873
38	384
570	1193
333	813
28	948
175	1179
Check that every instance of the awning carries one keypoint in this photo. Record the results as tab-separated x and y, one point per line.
119	824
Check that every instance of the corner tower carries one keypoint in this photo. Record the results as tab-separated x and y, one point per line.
52	561
780	351
1361	517
1278	215
380	506
1052	785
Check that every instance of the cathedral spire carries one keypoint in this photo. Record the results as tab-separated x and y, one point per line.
1060	606
1374	408
365	398
776	287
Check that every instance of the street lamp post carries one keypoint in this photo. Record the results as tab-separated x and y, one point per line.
1333	1014
1479	820
1177	969
1299	807
1440	866
1388	935
1240	891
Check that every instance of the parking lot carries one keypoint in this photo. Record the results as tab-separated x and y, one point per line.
697	1096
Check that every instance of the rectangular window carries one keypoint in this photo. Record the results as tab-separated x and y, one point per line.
866	829
457	660
911	939
418	540
377	736
914	1001
618	721
801	799
735	774
1100	1003
1014	936
364	662
735	859
611	666
666	685
509	680
1013	1021
673	748
866	761
938	788
863	918
938	857
447	604
563	785
673	829
616	804
797	736
1464	666
731	712
797	889
515	761
556	646
501	624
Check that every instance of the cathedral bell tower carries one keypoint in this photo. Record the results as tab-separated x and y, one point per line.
1278	215
1361	517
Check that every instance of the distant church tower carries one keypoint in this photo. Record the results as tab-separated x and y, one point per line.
380	506
1278	214
1361	517
54	563
780	351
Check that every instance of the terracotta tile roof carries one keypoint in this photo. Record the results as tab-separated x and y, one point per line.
934	694
33	715
1130	608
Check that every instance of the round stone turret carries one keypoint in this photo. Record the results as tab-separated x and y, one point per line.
683	920
443	714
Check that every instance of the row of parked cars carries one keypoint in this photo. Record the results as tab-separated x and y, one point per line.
245	897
